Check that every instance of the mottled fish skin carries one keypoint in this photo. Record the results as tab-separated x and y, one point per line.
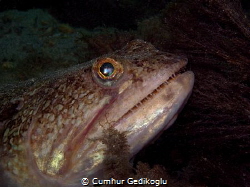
50	128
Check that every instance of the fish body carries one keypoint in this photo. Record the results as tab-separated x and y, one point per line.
50	130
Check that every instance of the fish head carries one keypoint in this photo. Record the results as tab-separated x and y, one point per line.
55	138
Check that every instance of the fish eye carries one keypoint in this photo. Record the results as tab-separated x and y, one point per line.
107	71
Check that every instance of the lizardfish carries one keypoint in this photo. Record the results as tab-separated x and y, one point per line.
48	129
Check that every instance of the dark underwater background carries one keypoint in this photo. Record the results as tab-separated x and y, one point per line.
209	144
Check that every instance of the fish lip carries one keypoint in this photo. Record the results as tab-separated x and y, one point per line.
182	69
178	67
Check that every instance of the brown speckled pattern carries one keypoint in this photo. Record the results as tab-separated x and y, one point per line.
45	125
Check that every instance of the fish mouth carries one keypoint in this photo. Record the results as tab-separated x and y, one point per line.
171	78
135	97
157	110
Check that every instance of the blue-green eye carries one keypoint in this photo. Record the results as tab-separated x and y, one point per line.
107	69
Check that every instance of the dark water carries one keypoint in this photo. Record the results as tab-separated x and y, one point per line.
209	156
93	13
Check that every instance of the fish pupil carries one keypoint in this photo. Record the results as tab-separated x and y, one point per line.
107	69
